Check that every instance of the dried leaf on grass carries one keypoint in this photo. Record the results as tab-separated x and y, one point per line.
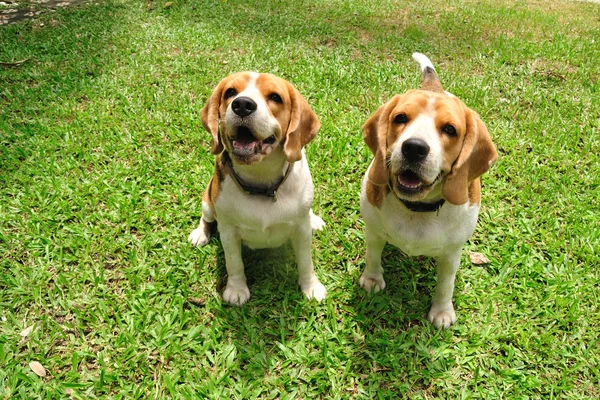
197	301
37	368
25	332
478	258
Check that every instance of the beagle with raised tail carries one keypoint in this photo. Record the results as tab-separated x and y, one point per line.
422	191
261	192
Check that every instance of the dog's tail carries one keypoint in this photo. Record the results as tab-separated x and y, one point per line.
431	81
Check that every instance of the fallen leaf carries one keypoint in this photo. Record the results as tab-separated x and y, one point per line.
37	368
25	332
478	258
198	302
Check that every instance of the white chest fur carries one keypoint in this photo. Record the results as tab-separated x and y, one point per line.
261	222
420	233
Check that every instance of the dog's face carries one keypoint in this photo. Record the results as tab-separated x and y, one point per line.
257	113
428	143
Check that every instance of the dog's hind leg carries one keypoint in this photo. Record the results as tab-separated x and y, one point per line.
308	280
201	235
316	222
372	277
208	223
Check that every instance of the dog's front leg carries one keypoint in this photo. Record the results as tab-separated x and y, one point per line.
442	314
236	292
372	277
309	283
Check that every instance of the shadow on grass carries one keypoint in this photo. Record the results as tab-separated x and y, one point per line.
278	327
399	344
66	53
273	316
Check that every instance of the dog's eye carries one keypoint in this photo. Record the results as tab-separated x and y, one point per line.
401	119
275	98
449	130
229	93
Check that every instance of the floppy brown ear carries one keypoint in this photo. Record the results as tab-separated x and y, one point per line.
477	155
375	136
303	127
210	117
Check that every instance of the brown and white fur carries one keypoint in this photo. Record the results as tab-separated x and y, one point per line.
259	125
428	147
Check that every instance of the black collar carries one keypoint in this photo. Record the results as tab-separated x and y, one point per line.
418	206
270	191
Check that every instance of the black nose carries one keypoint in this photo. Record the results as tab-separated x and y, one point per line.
243	106
415	149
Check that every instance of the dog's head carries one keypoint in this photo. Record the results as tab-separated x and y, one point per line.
427	142
251	114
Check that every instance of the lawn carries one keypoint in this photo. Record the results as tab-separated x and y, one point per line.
103	161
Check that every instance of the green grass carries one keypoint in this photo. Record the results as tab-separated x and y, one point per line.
103	161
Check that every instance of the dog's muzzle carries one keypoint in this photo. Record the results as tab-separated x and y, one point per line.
411	183
246	145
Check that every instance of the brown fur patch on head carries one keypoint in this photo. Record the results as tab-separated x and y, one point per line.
216	106
476	155
299	124
450	111
375	134
269	87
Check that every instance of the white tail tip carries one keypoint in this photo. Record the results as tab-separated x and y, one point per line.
423	61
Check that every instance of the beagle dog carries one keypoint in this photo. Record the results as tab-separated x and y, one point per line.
422	190
261	192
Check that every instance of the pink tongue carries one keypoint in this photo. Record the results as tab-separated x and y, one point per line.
244	145
409	180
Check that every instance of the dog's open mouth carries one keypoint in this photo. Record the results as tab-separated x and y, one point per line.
246	145
411	183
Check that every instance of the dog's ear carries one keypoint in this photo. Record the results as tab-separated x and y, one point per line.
476	156
211	118
375	134
303	127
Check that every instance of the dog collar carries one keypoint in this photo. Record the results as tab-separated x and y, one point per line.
270	191
418	206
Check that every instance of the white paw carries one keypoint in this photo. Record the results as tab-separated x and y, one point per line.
236	294
316	223
315	291
198	237
372	283
442	315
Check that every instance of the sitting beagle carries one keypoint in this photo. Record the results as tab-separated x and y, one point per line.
261	192
422	191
